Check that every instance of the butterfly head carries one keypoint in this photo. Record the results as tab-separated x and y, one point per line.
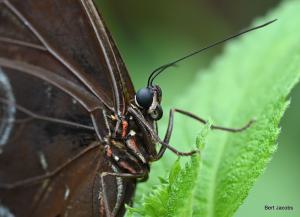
149	99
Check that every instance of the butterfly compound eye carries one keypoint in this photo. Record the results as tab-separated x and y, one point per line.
144	97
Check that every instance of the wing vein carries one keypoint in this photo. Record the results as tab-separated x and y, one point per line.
85	98
52	51
93	16
22	43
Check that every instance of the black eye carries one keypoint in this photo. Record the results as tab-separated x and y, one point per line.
144	97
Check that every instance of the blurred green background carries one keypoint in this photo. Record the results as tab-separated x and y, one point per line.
152	33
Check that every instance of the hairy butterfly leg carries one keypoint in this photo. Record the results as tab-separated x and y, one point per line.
199	119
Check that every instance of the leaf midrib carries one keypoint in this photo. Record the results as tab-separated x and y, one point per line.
212	200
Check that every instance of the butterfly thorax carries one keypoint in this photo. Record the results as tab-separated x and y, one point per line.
128	146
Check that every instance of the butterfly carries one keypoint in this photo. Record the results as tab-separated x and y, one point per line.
75	137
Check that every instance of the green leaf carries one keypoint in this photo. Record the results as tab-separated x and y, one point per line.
174	197
252	79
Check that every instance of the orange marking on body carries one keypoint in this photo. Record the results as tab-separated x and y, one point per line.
127	167
132	144
109	152
124	128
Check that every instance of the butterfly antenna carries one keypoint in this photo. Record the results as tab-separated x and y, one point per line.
160	69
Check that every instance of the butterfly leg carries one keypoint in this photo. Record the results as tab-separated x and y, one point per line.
48	175
104	190
197	118
213	127
153	133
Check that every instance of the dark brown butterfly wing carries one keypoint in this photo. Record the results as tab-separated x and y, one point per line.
57	60
72	33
